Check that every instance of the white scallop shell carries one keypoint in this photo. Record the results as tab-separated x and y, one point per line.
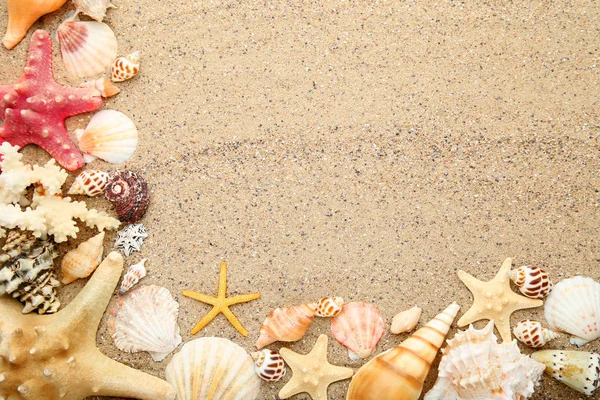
213	368
573	306
124	68
532	334
406	320
89	182
93	8
133	276
269	365
358	327
579	370
110	135
145	319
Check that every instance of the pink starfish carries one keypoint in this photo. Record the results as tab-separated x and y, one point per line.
34	110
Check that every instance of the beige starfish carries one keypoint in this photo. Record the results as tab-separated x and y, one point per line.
494	300
312	373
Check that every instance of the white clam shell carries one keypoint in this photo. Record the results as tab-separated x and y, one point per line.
124	68
133	276
213	368
579	370
93	8
406	320
145	319
358	327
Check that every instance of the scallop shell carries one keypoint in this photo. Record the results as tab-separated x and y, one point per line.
87	47
358	327
104	85
579	370
533	282
406	321
93	8
90	183
133	276
145	319
573	306
110	135
82	261
213	368
532	334
125	68
329	306
286	324
269	365
129	194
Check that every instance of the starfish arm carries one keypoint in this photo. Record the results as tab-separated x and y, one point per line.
470	316
223	281
518	302
39	61
468	280
292	387
234	321
502	274
503	326
204	321
243	298
320	349
200	297
338	373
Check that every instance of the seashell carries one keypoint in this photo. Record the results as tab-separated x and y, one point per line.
399	373
213	368
125	68
27	272
131	238
93	8
533	282
579	370
104	85
532	334
358	327
82	261
329	306
133	276
573	306
87	47
110	135
21	16
269	365
129	194
286	324
90	182
145	319
474	367
406	321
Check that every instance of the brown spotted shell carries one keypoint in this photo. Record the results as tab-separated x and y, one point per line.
129	194
269	365
533	282
533	334
329	306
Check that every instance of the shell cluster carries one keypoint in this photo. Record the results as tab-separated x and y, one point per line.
128	192
269	365
533	282
124	68
286	324
82	261
532	334
358	327
579	370
90	183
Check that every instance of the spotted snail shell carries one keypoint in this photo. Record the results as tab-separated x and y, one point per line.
129	194
269	365
533	334
329	306
533	282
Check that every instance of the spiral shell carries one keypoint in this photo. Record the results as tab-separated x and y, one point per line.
104	85
533	282
358	327
329	306
133	276
90	183
269	365
82	261
533	334
129	194
93	8
579	370
286	324
125	67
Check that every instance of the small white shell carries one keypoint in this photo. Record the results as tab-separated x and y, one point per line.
269	365
329	306
145	319
133	276
532	334
90	183
93	8
533	282
104	85
125	67
406	321
579	370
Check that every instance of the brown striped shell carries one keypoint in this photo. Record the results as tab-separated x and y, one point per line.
329	306
532	334
129	194
125	67
269	365
533	282
90	183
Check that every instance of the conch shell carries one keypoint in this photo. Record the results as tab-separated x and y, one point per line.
399	373
579	370
82	261
21	16
286	324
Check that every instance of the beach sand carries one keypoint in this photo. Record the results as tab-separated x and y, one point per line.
366	150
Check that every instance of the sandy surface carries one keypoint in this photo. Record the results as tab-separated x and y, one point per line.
366	151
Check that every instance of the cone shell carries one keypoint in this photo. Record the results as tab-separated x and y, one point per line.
110	135
82	261
286	324
104	85
269	365
579	370
406	321
573	306
93	8
146	320
87	47
358	327
213	368
399	373
21	16
533	282
90	183
133	276
124	68
129	194
329	306
532	334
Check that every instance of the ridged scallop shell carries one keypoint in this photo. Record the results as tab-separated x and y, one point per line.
406	321
358	327
145	319
329	306
128	192
87	47
90	183
532	334
93	8
269	365
579	370
124	68
82	261
213	368
573	306
286	324
133	276
110	135
533	282
104	85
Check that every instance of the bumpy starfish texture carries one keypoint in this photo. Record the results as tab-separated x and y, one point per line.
495	300
34	110
312	373
55	357
221	303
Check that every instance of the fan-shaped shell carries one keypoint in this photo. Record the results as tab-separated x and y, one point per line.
329	306
573	306
358	327
82	261
124	68
533	282
406	321
579	370
533	334
286	324
133	276
145	319
90	183
213	368
110	135
129	194
269	365
93	8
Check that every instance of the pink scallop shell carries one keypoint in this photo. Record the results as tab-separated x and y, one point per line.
358	327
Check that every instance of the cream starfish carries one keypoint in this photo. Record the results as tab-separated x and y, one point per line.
494	300
221	303
312	372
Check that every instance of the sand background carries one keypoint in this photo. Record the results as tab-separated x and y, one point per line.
367	150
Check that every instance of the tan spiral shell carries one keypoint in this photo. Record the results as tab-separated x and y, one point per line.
82	261
286	324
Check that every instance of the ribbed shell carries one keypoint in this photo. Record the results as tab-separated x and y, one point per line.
82	261
131	238
124	68
358	327
145	319
532	334
93	8
269	365
90	183
110	136
533	282
212	368
286	324
406	320
134	273
329	306
128	192
579	370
